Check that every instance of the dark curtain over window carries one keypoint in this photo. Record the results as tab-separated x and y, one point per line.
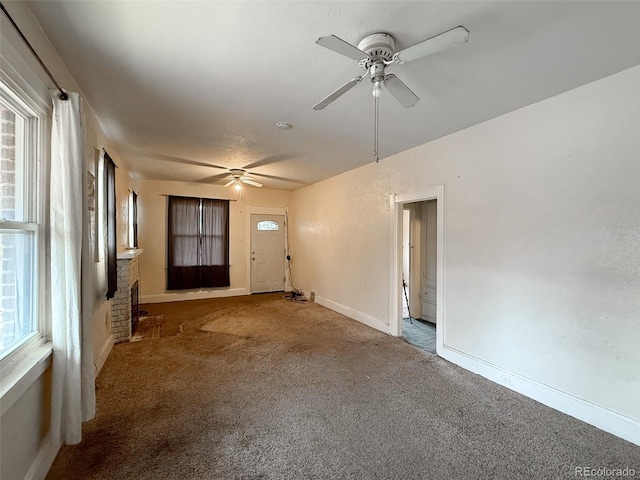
112	262
198	243
215	243
183	243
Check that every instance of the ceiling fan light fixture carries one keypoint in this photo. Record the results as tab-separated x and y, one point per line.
376	72
238	185
377	88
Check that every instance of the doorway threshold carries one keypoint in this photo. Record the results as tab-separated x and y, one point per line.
420	333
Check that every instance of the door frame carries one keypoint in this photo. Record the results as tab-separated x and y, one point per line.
396	202
266	211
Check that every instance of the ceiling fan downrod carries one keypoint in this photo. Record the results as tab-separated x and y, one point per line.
376	72
376	100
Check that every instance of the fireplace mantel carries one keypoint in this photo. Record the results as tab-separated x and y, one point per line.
129	254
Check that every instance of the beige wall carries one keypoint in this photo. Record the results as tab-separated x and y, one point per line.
124	186
96	141
542	266
152	224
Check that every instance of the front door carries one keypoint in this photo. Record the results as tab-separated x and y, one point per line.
267	253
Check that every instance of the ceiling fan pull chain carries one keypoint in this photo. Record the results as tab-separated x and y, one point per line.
375	129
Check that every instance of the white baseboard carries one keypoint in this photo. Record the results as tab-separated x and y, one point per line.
195	295
43	461
429	319
103	354
600	417
352	313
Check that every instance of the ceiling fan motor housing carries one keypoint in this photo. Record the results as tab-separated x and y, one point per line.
379	46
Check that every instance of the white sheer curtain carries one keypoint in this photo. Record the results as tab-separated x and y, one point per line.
73	388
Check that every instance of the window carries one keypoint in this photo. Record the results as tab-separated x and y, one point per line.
19	221
133	220
197	243
268	225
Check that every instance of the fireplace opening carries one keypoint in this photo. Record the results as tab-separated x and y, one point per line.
135	306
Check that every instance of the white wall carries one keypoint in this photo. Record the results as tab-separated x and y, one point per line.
24	428
542	227
25	450
152	234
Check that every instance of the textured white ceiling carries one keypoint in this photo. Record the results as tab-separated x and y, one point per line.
185	87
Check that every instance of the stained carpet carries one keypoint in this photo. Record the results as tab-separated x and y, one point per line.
260	388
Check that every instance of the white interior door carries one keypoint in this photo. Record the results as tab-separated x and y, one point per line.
416	257
267	253
406	245
429	270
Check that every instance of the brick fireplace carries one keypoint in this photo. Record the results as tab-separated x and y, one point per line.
124	306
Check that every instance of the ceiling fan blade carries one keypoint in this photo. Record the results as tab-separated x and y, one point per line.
339	92
250	182
283	179
340	46
168	158
230	182
213	178
432	45
268	160
399	90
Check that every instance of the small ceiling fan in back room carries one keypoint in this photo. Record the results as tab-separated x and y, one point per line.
236	177
240	176
374	54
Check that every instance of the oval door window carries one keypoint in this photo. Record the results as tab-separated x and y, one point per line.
268	225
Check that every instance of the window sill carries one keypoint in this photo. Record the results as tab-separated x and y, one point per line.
23	375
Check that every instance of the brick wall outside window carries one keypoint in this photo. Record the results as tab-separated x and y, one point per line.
7	212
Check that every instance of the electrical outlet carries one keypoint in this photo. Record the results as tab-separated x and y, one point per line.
506	380
312	296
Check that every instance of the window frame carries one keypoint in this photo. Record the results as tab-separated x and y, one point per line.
111	205
269	223
35	112
133	219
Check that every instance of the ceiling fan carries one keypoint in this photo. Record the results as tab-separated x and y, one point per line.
374	54
241	176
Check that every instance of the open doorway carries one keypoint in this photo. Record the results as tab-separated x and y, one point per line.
419	274
417	268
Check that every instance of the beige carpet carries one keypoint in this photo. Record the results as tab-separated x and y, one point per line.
261	388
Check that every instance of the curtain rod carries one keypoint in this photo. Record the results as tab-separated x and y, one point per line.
63	95
208	198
